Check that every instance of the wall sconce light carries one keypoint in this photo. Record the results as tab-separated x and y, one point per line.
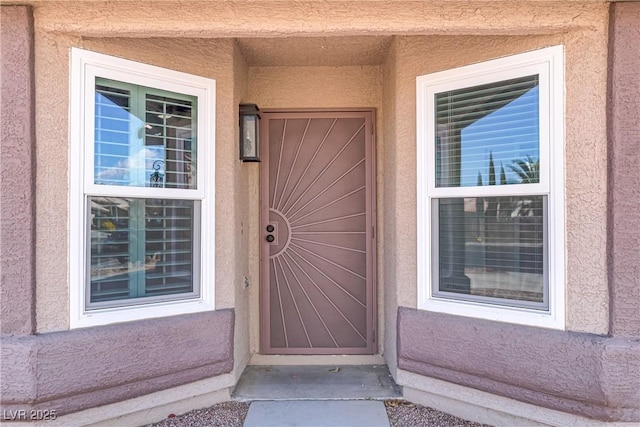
249	133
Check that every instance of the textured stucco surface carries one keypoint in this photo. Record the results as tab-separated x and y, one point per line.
276	18
316	87
585	162
291	87
52	124
585	374
74	370
209	58
624	185
387	187
581	26
425	37
17	172
246	211
315	51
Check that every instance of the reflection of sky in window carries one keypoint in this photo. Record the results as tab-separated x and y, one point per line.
120	155
509	133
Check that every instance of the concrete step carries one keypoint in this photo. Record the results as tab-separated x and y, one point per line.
361	382
317	413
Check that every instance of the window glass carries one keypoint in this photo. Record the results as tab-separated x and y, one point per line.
490	207
488	134
141	191
142	247
143	137
491	247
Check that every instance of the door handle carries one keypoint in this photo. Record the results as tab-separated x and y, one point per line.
270	228
270	238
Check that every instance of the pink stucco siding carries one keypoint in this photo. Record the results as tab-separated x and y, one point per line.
589	370
17	173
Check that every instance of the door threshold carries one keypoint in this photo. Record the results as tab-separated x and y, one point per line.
320	359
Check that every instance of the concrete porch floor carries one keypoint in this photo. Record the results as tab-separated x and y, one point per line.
317	413
362	382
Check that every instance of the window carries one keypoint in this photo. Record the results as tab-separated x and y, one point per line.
490	189
141	168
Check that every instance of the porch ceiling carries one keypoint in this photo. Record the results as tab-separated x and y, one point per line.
315	51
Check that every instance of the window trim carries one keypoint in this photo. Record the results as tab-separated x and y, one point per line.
548	63
85	67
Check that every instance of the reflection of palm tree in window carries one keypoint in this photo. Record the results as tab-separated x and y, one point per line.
529	172
508	220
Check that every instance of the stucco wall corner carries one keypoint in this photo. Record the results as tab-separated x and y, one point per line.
587	296
624	174
620	377
17	172
69	371
18	357
589	375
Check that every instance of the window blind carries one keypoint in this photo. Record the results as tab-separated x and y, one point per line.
491	246
169	127
488	134
140	135
112	135
141	247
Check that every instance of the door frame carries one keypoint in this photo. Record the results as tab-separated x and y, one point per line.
371	230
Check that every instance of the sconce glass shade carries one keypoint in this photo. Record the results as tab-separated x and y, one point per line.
249	133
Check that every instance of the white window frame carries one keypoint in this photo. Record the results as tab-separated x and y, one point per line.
85	67
548	63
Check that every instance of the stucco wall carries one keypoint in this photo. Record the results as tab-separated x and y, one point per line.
585	374
17	173
276	18
624	185
583	371
431	36
387	211
123	360
318	87
40	371
73	370
585	164
581	26
245	213
209	58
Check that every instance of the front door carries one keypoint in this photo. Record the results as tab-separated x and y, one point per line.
318	219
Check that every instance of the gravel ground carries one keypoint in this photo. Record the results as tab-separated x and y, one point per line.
405	414
226	414
232	414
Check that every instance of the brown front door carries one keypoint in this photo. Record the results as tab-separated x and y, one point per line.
318	218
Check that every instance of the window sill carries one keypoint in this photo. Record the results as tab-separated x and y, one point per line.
514	315
106	316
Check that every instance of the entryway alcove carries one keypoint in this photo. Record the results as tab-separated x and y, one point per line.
312	91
